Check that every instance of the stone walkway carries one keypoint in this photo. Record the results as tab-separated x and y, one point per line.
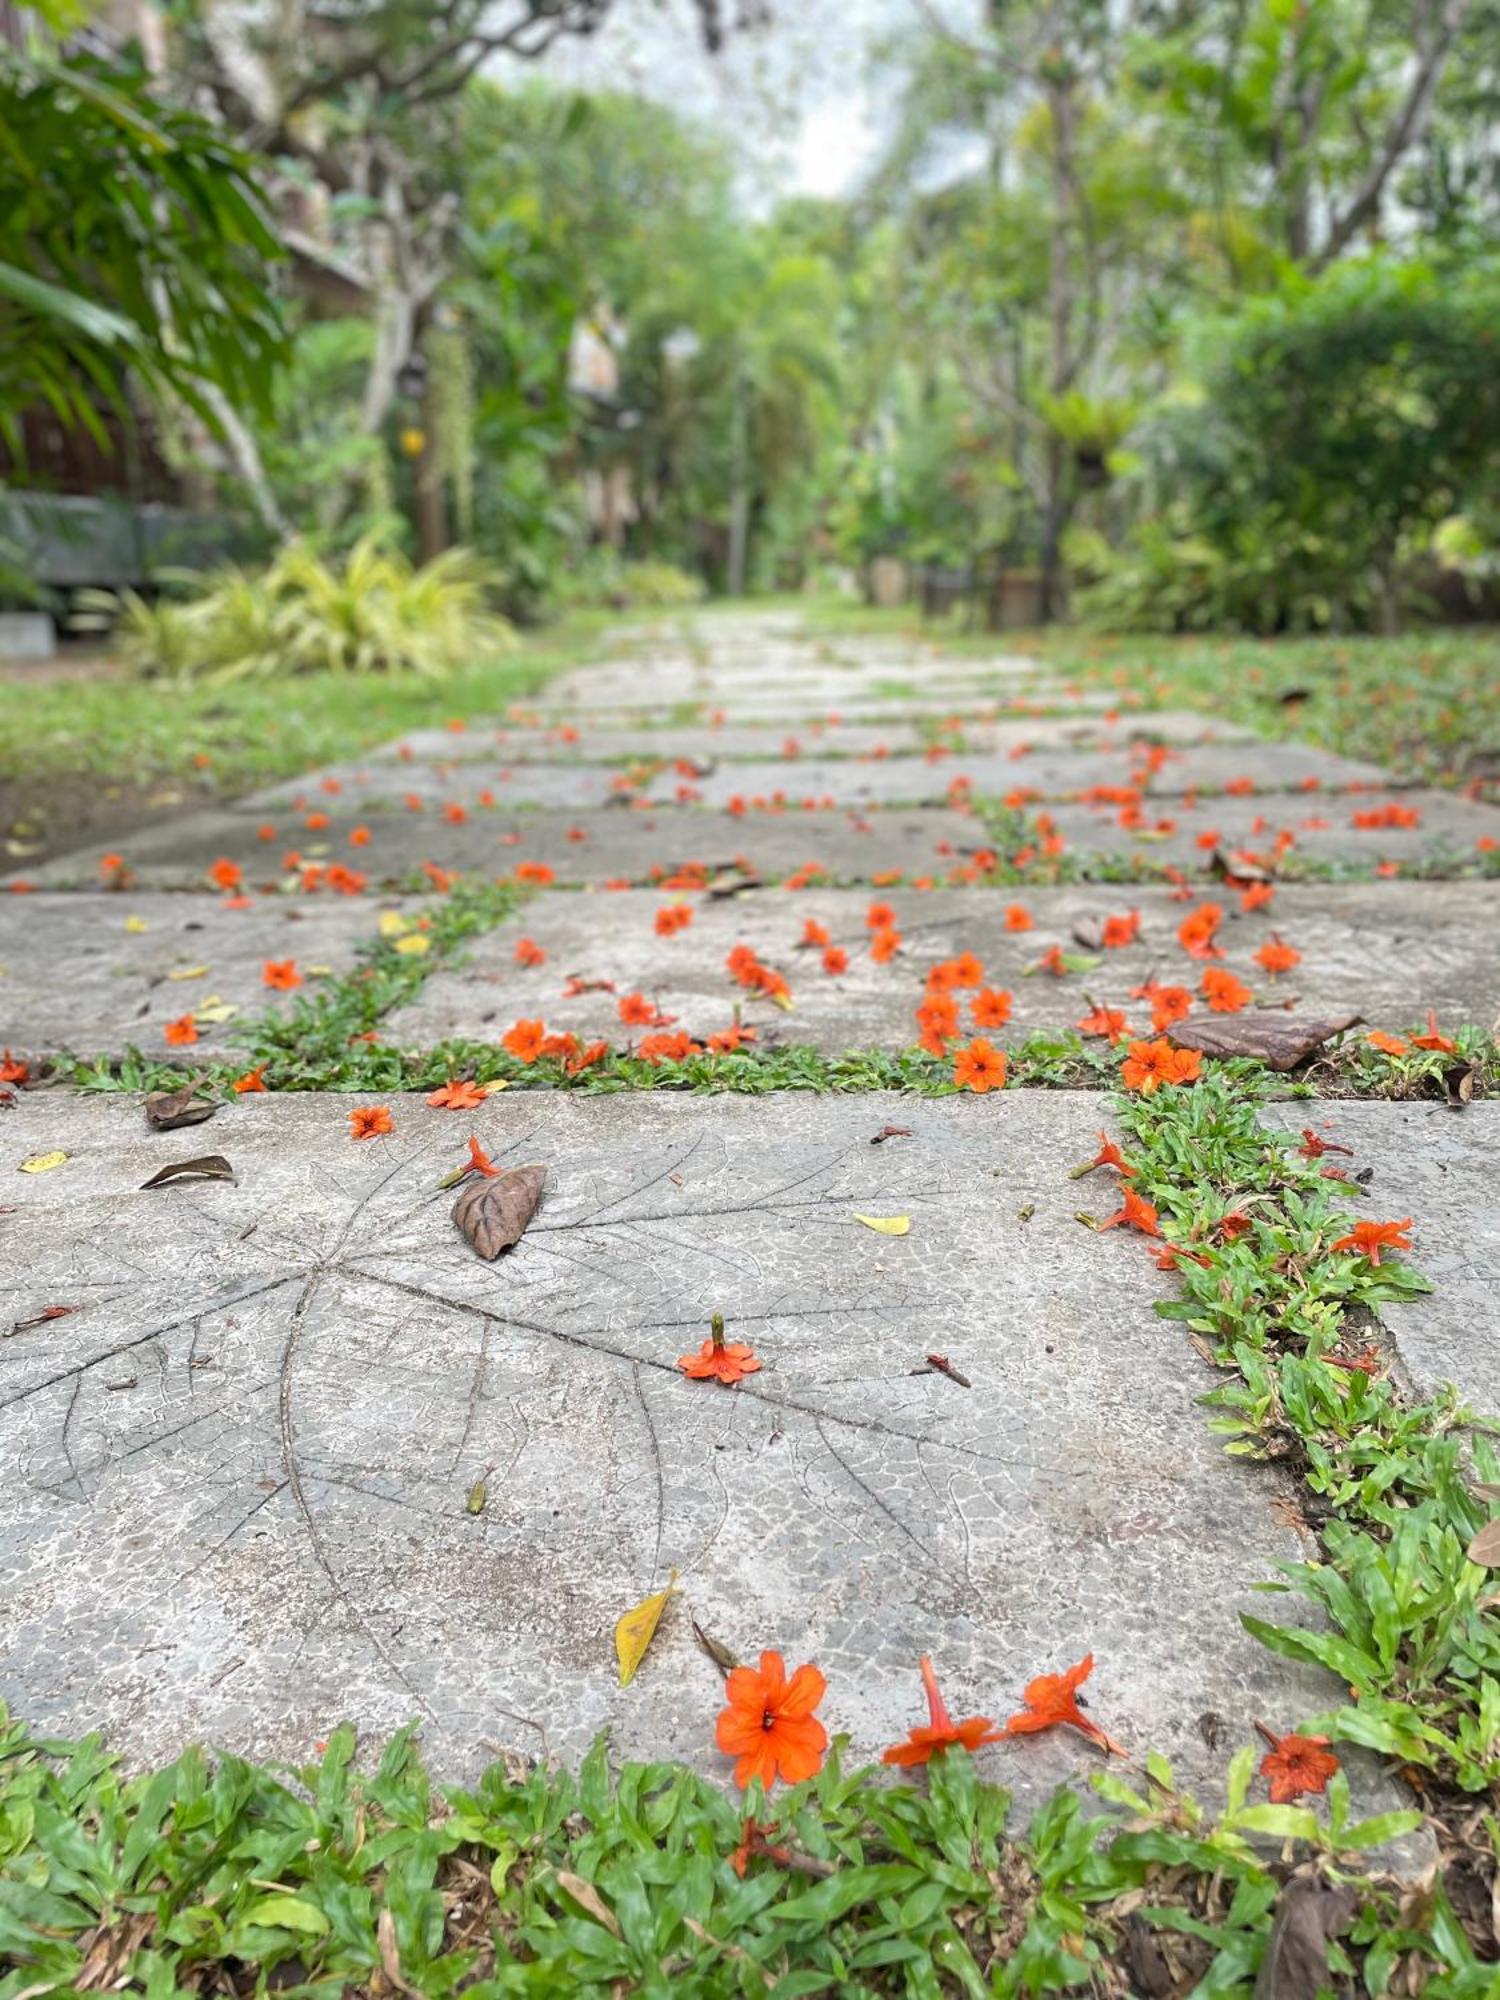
244	1453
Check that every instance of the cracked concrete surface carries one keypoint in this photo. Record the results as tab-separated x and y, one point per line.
238	1511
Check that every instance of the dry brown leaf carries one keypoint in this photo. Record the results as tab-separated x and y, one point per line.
493	1212
1485	1547
207	1167
1277	1039
588	1898
166	1110
390	1957
716	1650
1308	1914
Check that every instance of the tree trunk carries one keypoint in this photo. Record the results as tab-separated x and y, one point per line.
739	490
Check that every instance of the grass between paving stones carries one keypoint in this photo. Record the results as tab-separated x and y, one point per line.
236	1879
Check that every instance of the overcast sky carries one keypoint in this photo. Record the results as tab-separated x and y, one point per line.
805	101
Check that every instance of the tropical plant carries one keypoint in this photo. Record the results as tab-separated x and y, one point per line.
373	613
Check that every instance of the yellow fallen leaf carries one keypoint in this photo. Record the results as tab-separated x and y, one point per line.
888	1225
42	1163
214	1009
318	971
136	924
784	1001
489	1089
414	945
187	972
392	924
637	1629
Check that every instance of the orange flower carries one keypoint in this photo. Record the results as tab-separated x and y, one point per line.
1169	1004
1274	956
1196	931
528	952
1296	1764
727	1040
1105	1021
1368	1239
280	974
1052	961
315	822
1388	1045
583	1059
535	872
1148	1065
979	1067
1017	917
1051	1699
884	945
672	918
181	1032
480	1161
461	1096
251	1083
769	1723
369	1121
835	960
940	1732
1118	931
1223	992
13	1069
880	917
226	874
665	1048
720	1360
990	1007
359	836
1136	1214
1432	1039
524	1040
636	1011
814	933
966	970
1108	1155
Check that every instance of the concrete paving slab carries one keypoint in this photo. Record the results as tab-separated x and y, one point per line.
75	975
1440	1167
505	743
237	1510
756	708
1390	949
1404	826
600	846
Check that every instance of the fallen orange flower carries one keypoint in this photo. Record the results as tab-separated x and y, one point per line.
1138	1213
1017	917
1148	1065
480	1161
1196	932
459	1096
226	874
991	1007
1051	1700
1432	1039
980	1067
1295	1765
1274	956
251	1083
529	952
13	1069
1368	1239
524	1040
181	1032
718	1360
1108	1022
769	1723
369	1121
940	1732
1388	1045
1108	1155
835	960
280	974
1223	992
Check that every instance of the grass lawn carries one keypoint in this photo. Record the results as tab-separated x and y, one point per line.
96	755
1427	703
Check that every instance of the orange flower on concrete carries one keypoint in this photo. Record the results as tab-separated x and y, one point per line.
980	1067
252	1083
1136	1214
226	874
769	1724
991	1007
880	917
672	918
537	873
720	1360
1196	931
1223	992
181	1032
1105	1021
1052	1700
1017	917
369	1121
1148	1065
1296	1765
459	1096
1108	1155
1368	1239
835	960
1274	956
13	1069
529	952
480	1161
280	974
524	1040
814	933
884	945
940	1732
1120	931
665	1048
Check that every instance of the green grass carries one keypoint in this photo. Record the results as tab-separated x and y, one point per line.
246	733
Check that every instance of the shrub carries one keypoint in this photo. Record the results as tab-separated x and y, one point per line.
373	613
